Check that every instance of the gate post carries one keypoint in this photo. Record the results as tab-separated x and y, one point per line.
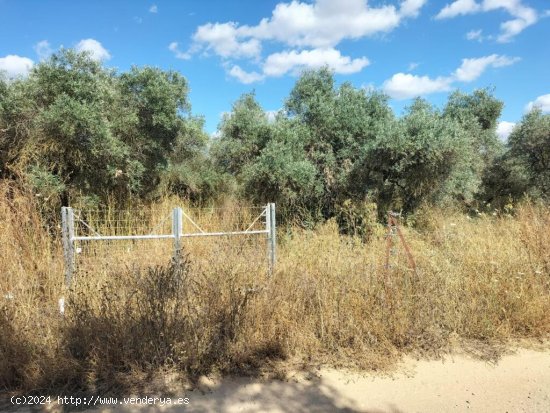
67	222
177	227
271	236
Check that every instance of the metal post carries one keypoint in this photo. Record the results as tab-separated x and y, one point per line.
177	229
67	221
271	236
268	237
65	240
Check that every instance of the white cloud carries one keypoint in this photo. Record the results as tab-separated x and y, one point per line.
542	102
321	24
245	77
153	9
15	66
308	30
43	49
412	66
475	35
406	85
324	23
222	39
504	129
523	16
95	48
293	61
458	8
173	47
278	64
411	8
471	69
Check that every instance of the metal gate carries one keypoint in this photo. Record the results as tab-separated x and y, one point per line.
82	233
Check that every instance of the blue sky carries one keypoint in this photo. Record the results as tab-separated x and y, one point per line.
226	48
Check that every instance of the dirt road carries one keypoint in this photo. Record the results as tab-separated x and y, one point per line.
519	382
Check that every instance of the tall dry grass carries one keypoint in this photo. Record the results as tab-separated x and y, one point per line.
330	301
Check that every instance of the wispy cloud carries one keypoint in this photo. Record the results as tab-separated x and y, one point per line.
174	48
245	77
459	8
522	16
222	39
153	9
475	35
406	85
471	69
43	49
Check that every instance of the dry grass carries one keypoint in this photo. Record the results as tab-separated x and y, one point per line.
331	300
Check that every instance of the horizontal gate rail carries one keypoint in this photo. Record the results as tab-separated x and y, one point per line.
121	237
221	234
183	235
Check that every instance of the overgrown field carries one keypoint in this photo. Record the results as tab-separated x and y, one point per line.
330	301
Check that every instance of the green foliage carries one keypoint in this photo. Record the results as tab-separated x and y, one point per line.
411	160
16	115
4	90
481	106
282	173
530	147
50	185
477	115
81	130
76	131
504	181
190	172
334	149
156	100
524	167
243	133
343	125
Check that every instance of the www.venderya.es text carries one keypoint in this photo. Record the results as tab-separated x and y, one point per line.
99	401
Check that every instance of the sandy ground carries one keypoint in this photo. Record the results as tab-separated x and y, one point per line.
519	382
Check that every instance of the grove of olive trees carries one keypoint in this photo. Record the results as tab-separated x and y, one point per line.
77	131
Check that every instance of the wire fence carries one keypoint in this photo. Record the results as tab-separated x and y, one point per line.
118	240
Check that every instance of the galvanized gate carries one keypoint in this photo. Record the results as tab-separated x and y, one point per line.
80	231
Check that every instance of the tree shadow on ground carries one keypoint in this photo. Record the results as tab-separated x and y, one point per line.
243	394
252	395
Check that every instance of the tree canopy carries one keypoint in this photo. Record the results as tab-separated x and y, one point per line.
340	145
76	130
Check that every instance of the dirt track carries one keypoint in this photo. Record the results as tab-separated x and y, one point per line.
517	383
